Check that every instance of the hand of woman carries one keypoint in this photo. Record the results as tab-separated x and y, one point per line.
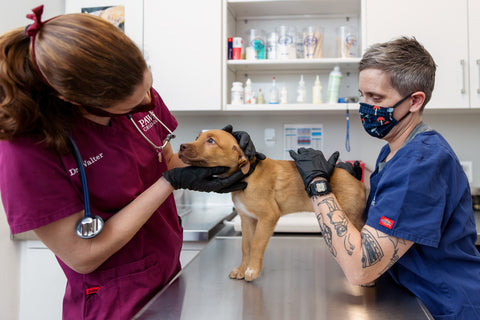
205	179
245	142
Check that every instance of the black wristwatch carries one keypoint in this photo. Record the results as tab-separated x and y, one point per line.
319	188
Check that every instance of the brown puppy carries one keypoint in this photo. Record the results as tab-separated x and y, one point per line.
275	188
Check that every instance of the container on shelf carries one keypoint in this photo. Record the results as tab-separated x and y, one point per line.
237	93
248	92
256	43
272	45
313	42
347	41
301	91
334	82
317	91
273	99
286	45
284	95
237	48
260	99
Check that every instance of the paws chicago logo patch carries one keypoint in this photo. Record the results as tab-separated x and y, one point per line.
387	223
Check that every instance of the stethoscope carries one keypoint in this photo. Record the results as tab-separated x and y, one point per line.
90	225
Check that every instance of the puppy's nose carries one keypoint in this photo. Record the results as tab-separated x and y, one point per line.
183	146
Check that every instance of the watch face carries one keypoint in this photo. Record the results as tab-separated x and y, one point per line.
321	186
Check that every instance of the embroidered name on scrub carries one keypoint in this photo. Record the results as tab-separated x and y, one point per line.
86	163
147	122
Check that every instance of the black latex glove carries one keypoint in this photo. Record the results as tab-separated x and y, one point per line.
312	163
354	169
203	179
245	142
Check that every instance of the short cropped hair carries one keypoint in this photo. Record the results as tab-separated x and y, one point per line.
410	66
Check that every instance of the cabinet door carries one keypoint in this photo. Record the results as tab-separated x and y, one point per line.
182	43
42	283
474	34
441	26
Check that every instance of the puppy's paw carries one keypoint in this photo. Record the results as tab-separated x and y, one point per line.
251	274
237	273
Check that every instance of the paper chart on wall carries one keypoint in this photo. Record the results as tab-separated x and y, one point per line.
302	135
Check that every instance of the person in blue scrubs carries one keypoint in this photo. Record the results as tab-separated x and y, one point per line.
420	226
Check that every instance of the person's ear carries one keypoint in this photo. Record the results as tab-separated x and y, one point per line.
418	98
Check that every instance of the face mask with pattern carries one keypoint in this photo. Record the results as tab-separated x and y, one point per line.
378	121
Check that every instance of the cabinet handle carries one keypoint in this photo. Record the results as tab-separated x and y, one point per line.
462	63
478	64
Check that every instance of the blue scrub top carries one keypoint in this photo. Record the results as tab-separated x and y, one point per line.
423	195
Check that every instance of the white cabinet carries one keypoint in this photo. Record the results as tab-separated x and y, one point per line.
442	27
42	283
240	16
474	58
182	43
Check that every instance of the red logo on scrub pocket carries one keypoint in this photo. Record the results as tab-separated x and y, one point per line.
92	290
387	223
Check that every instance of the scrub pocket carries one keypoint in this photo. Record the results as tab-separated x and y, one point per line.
119	293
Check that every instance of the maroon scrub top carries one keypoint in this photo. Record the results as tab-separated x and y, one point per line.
39	187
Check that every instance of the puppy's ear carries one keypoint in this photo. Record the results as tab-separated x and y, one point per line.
243	162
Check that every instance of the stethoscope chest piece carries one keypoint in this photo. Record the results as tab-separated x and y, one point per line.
89	227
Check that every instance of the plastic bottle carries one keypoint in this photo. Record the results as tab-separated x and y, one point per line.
260	99
237	93
272	46
317	91
334	81
248	92
273	93
301	92
284	95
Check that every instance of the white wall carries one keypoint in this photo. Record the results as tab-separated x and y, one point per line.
12	15
461	130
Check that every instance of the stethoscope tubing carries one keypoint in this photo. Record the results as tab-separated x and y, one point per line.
83	177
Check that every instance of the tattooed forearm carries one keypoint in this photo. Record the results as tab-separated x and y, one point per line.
349	247
336	218
327	234
371	250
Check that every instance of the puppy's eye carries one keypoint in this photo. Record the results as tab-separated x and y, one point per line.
211	140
